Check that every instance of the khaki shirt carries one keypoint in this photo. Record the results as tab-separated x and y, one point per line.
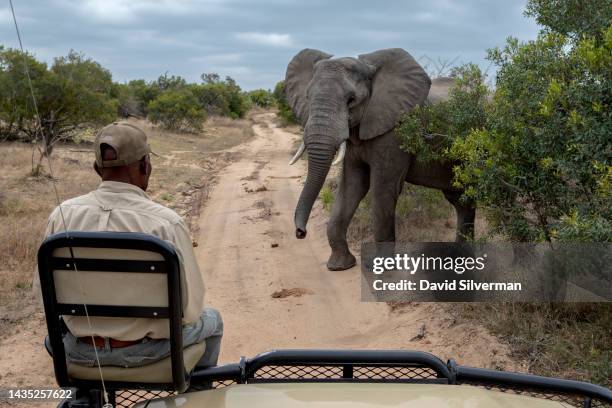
122	207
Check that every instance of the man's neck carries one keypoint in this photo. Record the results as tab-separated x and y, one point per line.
127	180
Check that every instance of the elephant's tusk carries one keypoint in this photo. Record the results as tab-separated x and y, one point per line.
298	154
341	153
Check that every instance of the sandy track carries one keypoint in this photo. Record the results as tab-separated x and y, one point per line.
249	254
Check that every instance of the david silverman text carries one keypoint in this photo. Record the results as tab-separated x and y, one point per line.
462	285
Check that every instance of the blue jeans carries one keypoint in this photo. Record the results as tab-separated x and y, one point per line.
208	328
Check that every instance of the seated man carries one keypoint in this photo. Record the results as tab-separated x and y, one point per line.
120	204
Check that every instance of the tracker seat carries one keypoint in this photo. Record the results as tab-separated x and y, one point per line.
113	276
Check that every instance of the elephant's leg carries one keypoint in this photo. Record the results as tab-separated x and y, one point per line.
387	183
354	184
389	167
466	214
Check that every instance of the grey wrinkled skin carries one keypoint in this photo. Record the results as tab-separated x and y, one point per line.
359	100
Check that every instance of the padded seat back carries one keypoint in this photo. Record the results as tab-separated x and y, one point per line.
109	276
106	287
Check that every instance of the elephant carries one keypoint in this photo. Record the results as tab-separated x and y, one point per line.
350	107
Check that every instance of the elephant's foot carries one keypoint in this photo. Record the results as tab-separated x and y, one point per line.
341	260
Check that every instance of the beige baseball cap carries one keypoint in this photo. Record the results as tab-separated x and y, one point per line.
129	141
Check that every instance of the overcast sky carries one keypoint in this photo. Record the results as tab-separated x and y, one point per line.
253	41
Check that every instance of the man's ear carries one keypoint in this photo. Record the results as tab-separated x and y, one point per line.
142	167
97	169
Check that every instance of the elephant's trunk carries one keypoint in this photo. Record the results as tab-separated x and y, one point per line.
320	157
325	131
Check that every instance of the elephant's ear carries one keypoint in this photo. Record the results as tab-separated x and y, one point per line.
398	85
297	78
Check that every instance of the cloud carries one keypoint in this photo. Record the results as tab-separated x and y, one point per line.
5	16
254	41
126	11
224	58
269	39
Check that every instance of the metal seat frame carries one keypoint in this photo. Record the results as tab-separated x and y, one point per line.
54	310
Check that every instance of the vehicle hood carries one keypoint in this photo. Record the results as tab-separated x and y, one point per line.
336	395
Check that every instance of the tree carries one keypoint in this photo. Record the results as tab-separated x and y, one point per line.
127	102
238	102
223	98
261	97
177	109
210	78
76	91
429	131
212	98
280	98
134	97
574	18
542	166
165	82
17	113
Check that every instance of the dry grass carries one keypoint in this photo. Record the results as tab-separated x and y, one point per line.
422	215
563	340
181	179
571	340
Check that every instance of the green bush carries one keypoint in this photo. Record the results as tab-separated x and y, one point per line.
429	131
284	110
238	102
212	98
543	165
574	18
143	92
223	98
75	91
128	103
261	97
177	109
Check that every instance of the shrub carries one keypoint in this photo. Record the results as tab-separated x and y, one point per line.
574	18
542	165
127	101
177	109
429	131
222	98
212	98
261	97
284	110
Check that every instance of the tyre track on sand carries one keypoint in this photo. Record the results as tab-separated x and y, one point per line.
248	252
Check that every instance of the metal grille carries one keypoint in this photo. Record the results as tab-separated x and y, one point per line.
224	383
600	404
128	398
298	372
335	372
394	373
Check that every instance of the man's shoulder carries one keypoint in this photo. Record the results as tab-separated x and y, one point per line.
85	199
161	211
137	204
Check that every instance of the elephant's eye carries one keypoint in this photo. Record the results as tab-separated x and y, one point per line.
351	100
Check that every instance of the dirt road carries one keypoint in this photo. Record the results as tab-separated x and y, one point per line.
274	291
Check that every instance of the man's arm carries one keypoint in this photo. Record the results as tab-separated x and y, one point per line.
192	281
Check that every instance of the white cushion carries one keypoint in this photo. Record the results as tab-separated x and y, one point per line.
158	372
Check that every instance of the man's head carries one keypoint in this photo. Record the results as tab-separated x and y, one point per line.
122	154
